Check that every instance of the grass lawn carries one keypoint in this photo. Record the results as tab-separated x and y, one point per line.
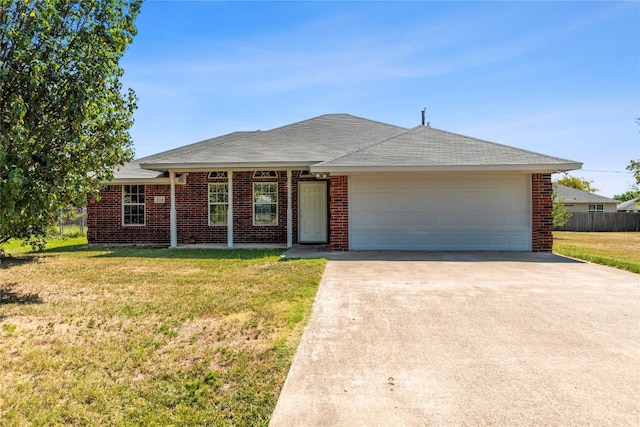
134	336
621	250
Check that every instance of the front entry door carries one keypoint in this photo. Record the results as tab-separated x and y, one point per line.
313	212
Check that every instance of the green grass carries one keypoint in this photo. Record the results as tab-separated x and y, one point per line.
134	336
620	250
68	230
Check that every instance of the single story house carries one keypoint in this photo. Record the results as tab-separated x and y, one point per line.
629	206
582	201
337	179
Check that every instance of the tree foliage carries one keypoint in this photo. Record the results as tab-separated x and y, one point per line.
561	214
634	167
64	123
629	195
576	182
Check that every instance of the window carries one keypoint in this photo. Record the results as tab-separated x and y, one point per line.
133	204
596	208
217	174
265	174
218	203
265	203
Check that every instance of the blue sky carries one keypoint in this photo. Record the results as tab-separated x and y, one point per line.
560	78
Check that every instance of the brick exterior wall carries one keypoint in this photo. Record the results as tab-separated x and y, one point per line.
339	213
104	217
541	210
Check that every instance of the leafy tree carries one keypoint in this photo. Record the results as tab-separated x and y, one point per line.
629	195
561	214
576	182
64	119
634	167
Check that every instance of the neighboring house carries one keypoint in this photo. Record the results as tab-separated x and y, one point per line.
353	183
582	201
629	206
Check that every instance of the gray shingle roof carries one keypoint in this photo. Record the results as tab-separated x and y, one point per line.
341	142
310	141
569	194
425	146
629	205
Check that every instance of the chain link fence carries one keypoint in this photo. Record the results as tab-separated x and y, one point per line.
71	222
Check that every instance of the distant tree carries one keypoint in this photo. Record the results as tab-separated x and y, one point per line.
64	120
561	214
629	195
576	182
634	167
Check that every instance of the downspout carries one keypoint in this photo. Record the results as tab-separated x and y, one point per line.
172	216
230	210
289	212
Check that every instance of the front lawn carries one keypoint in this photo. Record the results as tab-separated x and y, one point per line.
621	250
136	336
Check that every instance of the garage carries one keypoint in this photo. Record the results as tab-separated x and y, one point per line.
440	211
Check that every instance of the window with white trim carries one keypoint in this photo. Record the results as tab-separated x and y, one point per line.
218	203
265	203
596	208
133	204
217	174
265	174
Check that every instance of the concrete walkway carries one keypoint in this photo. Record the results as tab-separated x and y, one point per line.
413	339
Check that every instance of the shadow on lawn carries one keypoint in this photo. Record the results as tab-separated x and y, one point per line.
9	296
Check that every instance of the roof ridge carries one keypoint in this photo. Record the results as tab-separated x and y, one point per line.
333	115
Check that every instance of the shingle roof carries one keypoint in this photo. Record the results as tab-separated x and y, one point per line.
310	141
629	205
426	146
569	194
341	142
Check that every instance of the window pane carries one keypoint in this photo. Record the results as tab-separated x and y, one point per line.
218	214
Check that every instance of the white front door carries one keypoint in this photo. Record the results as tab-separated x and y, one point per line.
313	212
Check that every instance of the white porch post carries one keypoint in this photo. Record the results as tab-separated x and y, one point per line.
230	211
172	215
289	212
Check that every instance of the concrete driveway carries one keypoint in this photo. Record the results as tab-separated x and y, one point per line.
413	339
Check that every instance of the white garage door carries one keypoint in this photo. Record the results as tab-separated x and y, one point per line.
440	212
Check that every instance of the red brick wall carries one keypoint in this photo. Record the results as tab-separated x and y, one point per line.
104	218
339	213
541	209
192	203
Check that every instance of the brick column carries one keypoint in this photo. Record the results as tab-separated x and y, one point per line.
541	210
339	213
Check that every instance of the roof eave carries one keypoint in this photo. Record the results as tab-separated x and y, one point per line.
235	166
531	168
139	181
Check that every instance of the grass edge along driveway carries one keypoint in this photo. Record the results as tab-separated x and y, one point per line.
615	249
134	336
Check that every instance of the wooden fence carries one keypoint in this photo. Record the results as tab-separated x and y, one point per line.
601	221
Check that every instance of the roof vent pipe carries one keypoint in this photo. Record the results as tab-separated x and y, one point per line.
423	111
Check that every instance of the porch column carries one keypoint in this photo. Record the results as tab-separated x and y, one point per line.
289	212
230	210
172	215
